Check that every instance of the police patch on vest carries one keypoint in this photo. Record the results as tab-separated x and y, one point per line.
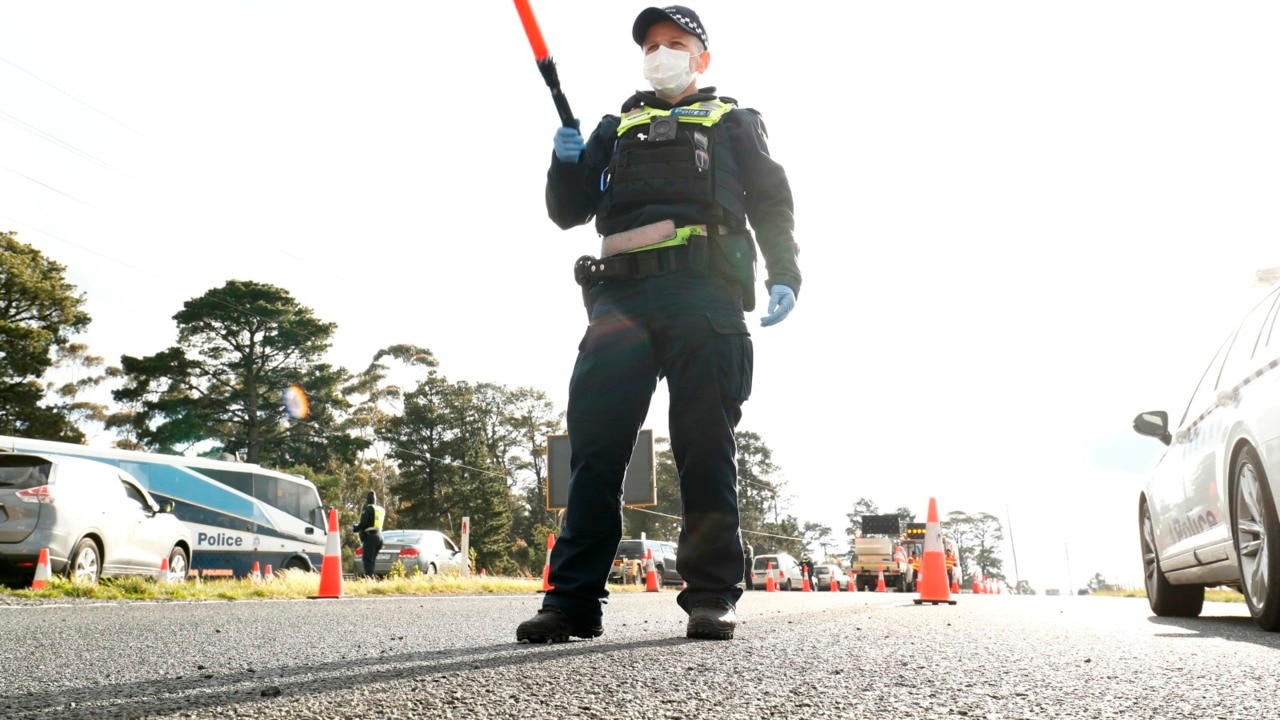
691	112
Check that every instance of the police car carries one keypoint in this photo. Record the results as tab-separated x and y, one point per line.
1207	515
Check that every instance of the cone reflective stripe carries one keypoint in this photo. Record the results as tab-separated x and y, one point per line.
651	573
331	568
546	569
933	583
769	584
42	571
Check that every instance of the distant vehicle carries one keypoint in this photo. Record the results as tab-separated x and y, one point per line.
786	572
1207	515
96	521
1052	592
632	551
429	551
237	513
822	575
882	549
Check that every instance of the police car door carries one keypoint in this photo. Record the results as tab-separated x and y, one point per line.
1209	441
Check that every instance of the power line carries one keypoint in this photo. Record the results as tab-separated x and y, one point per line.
753	532
50	187
73	97
165	280
18	122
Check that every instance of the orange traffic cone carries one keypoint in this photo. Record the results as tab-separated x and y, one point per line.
977	584
955	584
42	571
482	573
880	580
804	580
331	567
165	577
769	584
268	576
933	584
651	573
255	574
853	581
546	569
835	586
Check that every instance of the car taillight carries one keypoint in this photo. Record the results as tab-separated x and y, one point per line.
359	552
409	552
42	494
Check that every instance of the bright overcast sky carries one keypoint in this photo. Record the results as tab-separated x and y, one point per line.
1021	223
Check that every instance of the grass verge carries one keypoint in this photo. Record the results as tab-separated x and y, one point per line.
1210	595
285	585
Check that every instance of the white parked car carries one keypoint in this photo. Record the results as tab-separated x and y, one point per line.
786	572
1207	516
95	520
430	551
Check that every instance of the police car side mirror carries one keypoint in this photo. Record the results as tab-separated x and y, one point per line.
1153	424
166	506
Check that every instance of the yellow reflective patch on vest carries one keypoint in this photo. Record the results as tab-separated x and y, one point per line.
379	514
706	113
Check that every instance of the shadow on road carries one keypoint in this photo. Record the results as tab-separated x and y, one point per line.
168	695
1233	628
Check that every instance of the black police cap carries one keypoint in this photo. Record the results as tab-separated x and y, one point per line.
679	14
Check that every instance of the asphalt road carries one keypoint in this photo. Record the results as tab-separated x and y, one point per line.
796	655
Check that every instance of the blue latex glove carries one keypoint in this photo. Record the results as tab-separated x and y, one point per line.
569	143
782	300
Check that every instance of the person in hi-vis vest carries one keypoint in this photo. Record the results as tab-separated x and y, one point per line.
369	530
682	191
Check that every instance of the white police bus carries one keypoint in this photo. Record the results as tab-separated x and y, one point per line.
238	513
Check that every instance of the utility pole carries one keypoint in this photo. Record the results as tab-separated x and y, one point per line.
1017	580
1067	552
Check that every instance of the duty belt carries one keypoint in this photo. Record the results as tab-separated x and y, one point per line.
662	248
639	265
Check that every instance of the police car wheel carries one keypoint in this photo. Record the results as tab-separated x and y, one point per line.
1165	598
296	564
431	569
1257	540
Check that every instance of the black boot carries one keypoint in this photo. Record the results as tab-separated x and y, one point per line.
553	625
711	619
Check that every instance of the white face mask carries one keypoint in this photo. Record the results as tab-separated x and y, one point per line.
668	70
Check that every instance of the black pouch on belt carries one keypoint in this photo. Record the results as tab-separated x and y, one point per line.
582	276
736	259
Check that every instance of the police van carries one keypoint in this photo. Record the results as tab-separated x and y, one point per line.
238	513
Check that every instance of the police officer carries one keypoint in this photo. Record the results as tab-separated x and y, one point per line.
369	530
682	190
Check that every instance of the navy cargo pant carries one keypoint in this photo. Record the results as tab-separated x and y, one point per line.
687	327
372	544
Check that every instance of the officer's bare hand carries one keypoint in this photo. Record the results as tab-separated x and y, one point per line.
569	143
782	300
